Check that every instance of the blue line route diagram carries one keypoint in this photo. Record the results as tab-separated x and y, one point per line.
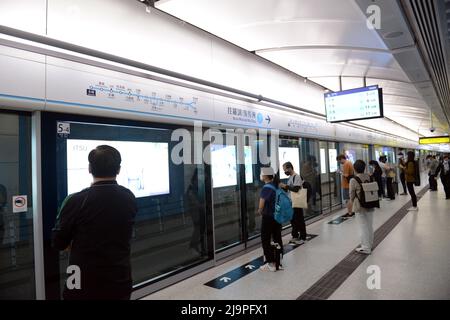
153	99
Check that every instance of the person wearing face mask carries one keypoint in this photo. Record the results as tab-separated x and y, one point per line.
402	167
270	228
444	170
294	184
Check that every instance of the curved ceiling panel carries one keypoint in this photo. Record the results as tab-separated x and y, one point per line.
328	41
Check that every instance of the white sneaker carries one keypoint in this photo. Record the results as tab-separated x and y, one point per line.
268	267
413	209
299	241
293	240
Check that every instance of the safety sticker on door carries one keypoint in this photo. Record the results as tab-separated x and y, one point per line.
20	204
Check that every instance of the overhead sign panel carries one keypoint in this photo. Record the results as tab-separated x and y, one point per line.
434	140
355	104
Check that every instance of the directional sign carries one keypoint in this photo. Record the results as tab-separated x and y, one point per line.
238	273
225	279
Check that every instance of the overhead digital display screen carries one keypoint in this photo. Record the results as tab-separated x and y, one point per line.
144	169
354	104
289	155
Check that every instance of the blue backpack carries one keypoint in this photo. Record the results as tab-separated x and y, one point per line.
283	205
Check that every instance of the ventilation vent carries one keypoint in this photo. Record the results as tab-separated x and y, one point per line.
425	20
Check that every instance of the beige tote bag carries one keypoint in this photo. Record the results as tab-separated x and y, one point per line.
300	199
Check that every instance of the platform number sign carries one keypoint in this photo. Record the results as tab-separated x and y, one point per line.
63	129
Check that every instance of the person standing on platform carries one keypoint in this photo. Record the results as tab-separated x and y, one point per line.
402	166
95	226
410	176
444	170
377	176
364	215
434	164
270	228
389	175
347	174
294	184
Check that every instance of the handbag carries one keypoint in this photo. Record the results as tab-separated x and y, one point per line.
300	198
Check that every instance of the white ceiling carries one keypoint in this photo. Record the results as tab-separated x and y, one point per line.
321	40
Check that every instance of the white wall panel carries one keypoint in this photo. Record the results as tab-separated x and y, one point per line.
22	78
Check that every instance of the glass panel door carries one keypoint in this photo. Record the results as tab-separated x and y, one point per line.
173	225
225	173
257	155
288	151
310	171
325	189
16	216
335	178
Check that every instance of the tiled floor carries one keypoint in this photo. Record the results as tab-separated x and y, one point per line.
418	245
414	259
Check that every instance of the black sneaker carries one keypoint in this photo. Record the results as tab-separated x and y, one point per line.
347	215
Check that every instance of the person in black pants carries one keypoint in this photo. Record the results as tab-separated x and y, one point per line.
444	170
96	225
377	176
270	229
402	166
410	175
294	184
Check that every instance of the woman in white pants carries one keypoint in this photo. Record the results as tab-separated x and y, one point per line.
363	215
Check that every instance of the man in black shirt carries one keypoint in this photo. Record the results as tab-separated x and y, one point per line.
96	225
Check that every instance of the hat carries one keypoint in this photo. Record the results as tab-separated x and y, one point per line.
267	171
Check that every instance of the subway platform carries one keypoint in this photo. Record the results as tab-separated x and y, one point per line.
411	260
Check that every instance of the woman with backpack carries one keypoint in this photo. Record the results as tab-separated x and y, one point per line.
270	228
364	215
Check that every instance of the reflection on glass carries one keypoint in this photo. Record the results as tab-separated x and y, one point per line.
288	155
253	189
323	161
335	178
332	155
170	231
248	164
226	195
355	151
16	228
223	166
309	170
